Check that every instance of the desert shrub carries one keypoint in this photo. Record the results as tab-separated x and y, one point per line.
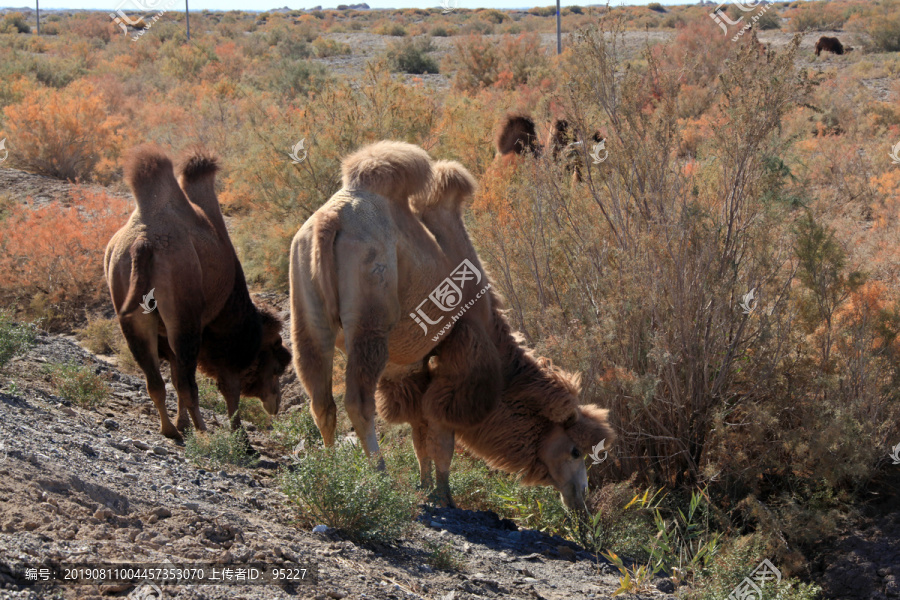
542	11
816	16
252	410
208	395
443	556
341	488
439	31
878	33
14	22
79	384
295	426
769	20
656	7
219	448
514	61
391	29
53	253
411	56
325	47
68	134
100	335
15	338
492	15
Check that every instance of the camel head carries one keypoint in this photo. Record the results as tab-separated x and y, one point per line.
262	378
570	432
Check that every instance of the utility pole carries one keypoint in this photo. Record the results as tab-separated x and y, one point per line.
558	30
37	6
187	19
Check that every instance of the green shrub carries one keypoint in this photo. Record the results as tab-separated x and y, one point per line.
208	394
411	56
879	34
221	447
252	410
14	23
442	556
79	384
325	47
290	428
341	488
656	7
15	338
439	31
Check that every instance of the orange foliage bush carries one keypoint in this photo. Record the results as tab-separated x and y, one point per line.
68	133
55	251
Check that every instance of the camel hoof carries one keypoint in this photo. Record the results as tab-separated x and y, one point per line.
172	433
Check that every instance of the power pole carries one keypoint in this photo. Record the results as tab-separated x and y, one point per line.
558	30
37	6
187	19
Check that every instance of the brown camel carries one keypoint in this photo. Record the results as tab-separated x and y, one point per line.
517	136
180	294
382	278
830	44
383	247
537	429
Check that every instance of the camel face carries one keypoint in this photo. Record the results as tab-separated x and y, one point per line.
263	379
565	468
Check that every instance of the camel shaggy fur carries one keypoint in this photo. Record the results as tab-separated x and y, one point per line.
175	245
379	250
362	270
538	429
829	44
517	136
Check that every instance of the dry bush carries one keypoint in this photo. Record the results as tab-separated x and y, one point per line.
637	277
53	254
516	60
69	133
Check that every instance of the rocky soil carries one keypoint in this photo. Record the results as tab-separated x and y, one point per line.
82	485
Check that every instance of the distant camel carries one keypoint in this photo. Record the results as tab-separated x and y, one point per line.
829	44
386	271
180	294
517	136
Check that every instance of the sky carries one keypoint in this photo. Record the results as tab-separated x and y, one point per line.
263	5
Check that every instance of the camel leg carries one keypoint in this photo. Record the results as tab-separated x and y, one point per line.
366	360
440	443
420	444
185	345
230	388
143	343
314	362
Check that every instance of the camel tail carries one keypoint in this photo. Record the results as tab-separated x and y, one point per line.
197	170
197	164
148	172
395	170
324	267
138	285
451	186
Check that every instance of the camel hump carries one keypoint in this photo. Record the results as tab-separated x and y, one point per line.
197	163
451	186
149	174
395	170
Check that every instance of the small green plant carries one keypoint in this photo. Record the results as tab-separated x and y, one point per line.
252	410
15	338
634	579
290	428
684	545
325	47
341	488
221	447
208	393
79	384
412	56
443	557
99	335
